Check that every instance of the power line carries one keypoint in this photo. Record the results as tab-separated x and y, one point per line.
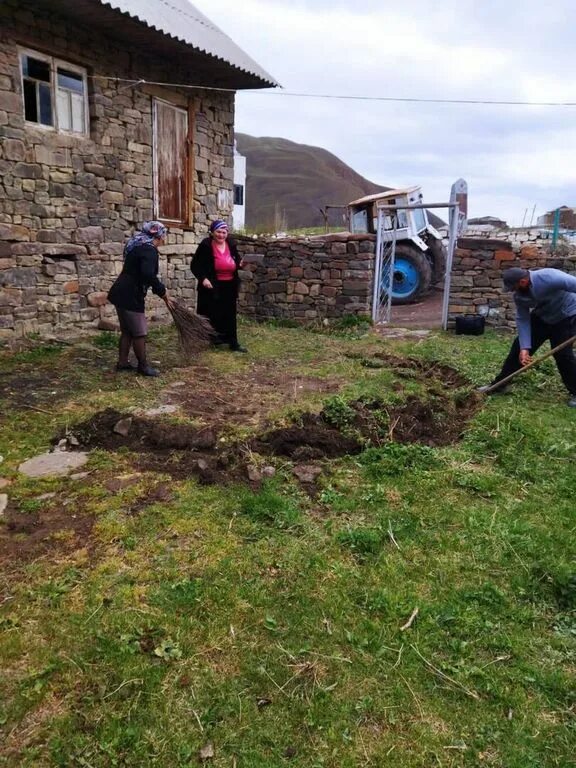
342	97
414	100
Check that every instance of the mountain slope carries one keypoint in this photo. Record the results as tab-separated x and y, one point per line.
287	183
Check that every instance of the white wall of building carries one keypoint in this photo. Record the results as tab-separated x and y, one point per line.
239	212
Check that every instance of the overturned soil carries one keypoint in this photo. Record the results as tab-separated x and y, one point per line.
423	370
181	450
228	399
439	420
313	438
172	448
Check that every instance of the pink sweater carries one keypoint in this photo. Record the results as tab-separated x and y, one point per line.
223	263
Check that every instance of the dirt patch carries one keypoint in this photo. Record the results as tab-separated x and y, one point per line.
435	421
179	450
313	438
58	524
111	430
427	370
220	400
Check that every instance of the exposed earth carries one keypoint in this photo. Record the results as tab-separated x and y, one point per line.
190	433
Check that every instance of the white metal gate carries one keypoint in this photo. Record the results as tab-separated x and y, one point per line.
386	239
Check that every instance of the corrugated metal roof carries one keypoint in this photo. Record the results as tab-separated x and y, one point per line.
182	21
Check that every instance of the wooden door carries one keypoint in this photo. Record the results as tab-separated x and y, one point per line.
171	163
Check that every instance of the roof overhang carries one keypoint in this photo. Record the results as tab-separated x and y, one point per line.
174	29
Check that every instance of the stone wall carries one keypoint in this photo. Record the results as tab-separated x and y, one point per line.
68	202
476	286
307	279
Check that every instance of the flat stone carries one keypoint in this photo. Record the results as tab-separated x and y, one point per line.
45	496
57	463
3	502
161	410
269	471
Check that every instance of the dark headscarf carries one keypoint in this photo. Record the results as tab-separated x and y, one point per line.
151	230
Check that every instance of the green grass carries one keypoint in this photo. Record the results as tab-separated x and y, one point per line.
268	623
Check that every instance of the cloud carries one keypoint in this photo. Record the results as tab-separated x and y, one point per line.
512	157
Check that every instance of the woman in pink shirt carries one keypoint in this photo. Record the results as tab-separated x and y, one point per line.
215	265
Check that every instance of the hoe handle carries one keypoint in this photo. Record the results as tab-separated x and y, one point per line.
551	352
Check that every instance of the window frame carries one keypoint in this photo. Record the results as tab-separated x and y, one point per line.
55	64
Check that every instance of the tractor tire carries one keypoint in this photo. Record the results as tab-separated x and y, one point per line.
412	275
437	257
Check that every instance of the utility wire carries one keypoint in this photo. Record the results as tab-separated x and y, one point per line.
401	99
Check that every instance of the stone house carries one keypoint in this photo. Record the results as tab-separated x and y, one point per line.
93	142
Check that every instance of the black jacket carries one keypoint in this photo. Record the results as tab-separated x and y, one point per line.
140	272
202	266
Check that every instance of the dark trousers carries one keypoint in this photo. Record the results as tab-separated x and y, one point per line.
224	312
555	334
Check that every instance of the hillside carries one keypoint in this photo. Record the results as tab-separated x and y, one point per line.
287	183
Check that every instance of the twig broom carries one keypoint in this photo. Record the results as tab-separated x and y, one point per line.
195	333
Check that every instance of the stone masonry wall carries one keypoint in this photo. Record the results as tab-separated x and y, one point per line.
476	285
307	278
68	202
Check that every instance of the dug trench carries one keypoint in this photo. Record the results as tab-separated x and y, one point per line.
438	417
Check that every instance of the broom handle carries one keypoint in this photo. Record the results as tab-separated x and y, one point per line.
532	364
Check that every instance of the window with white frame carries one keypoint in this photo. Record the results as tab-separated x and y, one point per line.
54	93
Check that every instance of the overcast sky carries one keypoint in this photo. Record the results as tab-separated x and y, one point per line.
512	157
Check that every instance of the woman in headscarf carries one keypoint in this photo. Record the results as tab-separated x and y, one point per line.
215	265
140	272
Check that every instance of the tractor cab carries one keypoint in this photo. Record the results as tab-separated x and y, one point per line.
420	256
409	225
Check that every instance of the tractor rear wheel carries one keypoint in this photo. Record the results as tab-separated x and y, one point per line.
437	253
412	275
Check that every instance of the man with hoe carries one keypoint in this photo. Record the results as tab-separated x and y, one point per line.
545	311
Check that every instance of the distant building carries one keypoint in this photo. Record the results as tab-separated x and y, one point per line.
488	221
239	212
567	218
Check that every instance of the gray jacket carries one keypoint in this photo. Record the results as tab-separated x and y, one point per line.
552	297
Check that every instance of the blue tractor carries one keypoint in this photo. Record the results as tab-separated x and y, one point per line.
420	257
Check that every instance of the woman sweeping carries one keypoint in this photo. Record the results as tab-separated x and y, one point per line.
140	272
215	265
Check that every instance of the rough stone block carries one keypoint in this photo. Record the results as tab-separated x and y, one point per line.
97	299
10	297
504	255
14	232
112	197
89	235
18	277
301	288
14	150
